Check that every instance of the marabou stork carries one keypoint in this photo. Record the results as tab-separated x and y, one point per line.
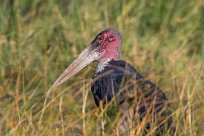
115	77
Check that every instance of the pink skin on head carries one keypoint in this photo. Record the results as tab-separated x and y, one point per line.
110	45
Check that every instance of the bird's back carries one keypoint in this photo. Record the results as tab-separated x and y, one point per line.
140	99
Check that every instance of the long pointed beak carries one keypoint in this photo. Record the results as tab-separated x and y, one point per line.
85	58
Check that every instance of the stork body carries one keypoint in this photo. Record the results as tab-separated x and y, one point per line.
117	80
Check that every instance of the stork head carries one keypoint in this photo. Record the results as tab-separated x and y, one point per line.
105	45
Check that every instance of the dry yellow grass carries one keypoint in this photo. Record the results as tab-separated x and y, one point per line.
164	40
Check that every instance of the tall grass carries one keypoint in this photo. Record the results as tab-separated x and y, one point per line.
163	39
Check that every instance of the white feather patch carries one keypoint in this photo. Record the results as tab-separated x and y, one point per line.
102	64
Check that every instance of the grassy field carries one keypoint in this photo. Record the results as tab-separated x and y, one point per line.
163	39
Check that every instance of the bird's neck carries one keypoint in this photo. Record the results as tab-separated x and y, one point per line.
112	51
102	64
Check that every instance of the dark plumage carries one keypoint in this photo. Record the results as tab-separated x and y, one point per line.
119	77
107	82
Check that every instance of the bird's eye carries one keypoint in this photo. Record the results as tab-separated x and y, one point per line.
110	39
100	38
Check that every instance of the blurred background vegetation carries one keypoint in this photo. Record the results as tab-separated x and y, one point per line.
163	39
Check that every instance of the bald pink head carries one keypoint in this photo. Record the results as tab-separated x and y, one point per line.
108	43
